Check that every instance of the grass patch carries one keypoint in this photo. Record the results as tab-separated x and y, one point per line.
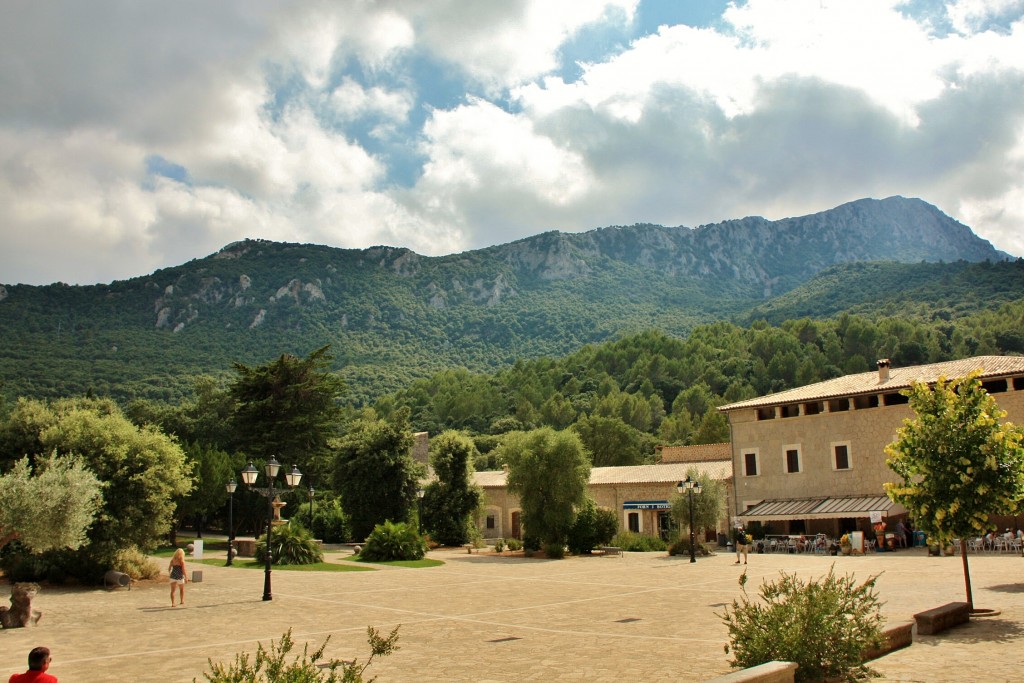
415	564
315	567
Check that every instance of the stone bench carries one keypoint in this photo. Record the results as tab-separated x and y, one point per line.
940	618
894	637
611	550
769	672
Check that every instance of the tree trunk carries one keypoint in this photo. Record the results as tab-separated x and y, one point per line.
967	574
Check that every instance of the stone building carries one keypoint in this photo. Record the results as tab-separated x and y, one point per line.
641	495
812	459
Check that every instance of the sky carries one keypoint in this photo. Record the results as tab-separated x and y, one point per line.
140	134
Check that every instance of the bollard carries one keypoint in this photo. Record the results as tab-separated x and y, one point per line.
115	579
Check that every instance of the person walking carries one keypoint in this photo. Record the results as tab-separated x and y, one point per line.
739	537
178	575
38	662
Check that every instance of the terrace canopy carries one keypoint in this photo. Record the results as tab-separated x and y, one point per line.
820	508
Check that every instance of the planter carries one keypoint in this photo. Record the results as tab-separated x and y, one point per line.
847	549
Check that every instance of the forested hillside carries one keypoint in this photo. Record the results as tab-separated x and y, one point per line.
392	316
627	395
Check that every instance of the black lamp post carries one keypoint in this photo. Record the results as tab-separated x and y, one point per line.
231	486
690	486
419	507
311	492
249	474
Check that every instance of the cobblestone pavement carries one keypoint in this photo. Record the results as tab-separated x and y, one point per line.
644	617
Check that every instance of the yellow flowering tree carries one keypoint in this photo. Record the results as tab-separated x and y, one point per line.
959	463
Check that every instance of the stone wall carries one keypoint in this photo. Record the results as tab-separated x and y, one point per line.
866	431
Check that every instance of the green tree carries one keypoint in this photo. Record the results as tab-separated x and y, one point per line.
52	509
558	412
213	469
611	442
958	463
144	471
676	428
713	428
548	471
450	502
289	408
375	473
708	505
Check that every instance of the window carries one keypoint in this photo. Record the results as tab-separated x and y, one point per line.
792	459
491	522
750	464
633	519
841	456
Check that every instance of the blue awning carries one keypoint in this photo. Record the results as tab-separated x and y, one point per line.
646	505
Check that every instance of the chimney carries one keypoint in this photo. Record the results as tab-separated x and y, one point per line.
883	370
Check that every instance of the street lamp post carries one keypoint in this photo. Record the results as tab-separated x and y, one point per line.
249	474
690	486
231	486
419	507
311	508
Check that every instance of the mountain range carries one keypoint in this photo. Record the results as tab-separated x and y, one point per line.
392	315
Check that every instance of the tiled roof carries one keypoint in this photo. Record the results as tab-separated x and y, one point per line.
899	379
637	474
656	474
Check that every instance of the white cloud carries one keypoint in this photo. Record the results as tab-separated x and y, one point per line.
285	121
350	101
507	43
491	175
971	16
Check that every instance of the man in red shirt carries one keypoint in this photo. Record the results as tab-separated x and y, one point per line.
38	663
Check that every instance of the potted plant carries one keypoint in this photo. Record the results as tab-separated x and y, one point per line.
845	545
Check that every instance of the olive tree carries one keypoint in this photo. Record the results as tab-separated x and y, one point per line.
958	463
548	470
708	505
52	509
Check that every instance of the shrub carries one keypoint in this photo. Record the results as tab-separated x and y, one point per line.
638	543
56	566
499	545
136	564
843	619
514	544
271	664
554	551
682	547
593	527
290	544
330	524
391	541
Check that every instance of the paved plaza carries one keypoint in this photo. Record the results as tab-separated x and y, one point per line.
643	617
